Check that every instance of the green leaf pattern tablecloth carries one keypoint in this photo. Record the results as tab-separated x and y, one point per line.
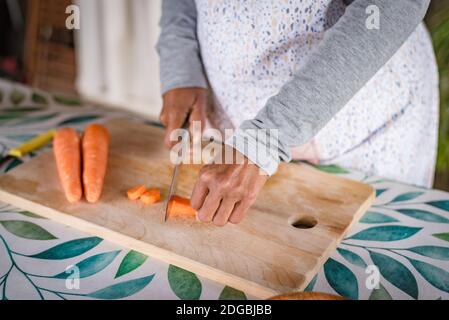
405	234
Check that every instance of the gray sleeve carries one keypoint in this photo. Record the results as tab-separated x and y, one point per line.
349	55
178	48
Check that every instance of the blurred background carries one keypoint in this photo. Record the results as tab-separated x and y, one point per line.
111	59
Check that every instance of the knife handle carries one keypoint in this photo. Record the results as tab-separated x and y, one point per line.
32	144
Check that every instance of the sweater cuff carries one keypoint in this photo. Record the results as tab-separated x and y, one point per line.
259	148
184	81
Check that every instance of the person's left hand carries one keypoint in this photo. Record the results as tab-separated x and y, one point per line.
225	192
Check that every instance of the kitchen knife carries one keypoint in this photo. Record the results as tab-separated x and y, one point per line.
172	188
28	146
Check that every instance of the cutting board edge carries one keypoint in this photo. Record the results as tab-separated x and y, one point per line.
332	248
247	286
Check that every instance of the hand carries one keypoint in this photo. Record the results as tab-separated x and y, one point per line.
178	104
225	192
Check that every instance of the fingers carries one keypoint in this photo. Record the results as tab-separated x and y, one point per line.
199	194
207	212
239	211
224	212
180	104
174	121
198	112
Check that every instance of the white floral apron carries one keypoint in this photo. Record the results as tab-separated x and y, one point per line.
251	48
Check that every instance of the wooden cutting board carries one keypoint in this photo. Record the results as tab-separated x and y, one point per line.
297	221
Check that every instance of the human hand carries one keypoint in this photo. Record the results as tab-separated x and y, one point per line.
180	105
225	192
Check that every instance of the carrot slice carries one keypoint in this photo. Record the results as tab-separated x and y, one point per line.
95	159
180	207
136	192
67	151
151	196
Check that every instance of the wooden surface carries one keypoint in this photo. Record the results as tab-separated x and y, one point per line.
263	256
307	296
50	61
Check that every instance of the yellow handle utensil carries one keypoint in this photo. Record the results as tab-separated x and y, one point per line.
33	144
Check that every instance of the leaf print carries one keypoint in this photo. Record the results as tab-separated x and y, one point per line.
406	196
311	284
5	117
21	137
30	214
331	169
16	97
91	265
380	294
38	98
130	262
442	236
24	109
184	284
376	217
28	291
40	118
229	293
341	279
27	230
14	163
380	191
379	181
67	101
122	289
385	233
352	257
396	273
434	252
68	249
78	120
423	215
437	277
443	204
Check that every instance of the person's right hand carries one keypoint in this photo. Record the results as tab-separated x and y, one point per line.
182	104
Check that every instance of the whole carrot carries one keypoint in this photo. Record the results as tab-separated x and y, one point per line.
95	160
67	150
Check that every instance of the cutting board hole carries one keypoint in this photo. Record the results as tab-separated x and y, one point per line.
302	222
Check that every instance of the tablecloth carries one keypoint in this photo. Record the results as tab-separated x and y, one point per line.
398	250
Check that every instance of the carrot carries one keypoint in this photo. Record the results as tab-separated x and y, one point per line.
151	196
180	207
95	159
67	151
136	192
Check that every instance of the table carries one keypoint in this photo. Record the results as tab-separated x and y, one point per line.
399	249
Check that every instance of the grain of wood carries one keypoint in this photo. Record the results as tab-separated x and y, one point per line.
263	256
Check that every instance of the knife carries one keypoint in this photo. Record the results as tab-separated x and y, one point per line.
28	146
172	188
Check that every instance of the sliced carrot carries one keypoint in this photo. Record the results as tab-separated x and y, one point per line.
180	207
95	160
136	192
67	151
151	196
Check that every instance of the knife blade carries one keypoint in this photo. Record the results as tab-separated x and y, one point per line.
172	188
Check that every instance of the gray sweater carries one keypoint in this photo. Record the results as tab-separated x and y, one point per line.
349	55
